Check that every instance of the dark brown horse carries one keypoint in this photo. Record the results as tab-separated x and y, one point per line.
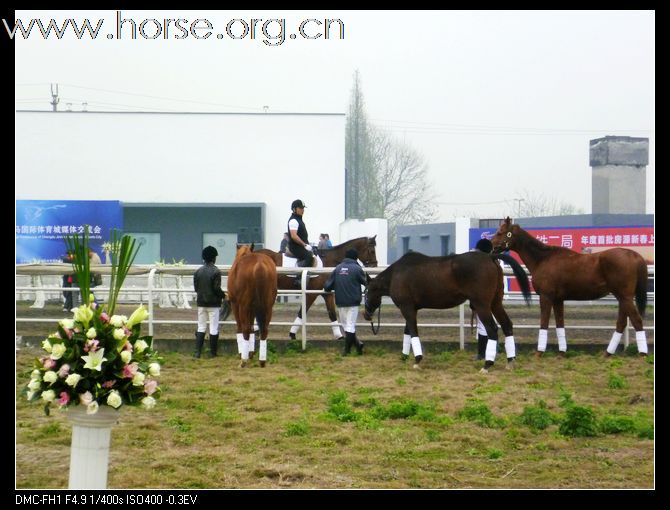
367	254
417	281
252	291
559	274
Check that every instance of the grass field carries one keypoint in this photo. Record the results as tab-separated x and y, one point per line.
320	420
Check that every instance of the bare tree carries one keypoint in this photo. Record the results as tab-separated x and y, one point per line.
530	205
405	195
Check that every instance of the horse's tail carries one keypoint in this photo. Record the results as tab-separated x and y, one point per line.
262	295
641	286
520	274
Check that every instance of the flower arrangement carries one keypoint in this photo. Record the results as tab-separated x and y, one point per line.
98	358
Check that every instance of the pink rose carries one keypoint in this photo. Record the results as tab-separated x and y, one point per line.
104	317
49	363
129	371
150	386
128	346
64	370
64	398
108	384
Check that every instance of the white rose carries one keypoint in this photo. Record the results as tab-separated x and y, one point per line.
140	345
57	351
50	376
46	345
148	402
126	356
34	385
67	323
48	395
155	369
114	399
36	374
118	320
92	408
119	334
91	333
138	379
72	380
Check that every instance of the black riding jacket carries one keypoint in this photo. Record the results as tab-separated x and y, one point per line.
346	281
207	284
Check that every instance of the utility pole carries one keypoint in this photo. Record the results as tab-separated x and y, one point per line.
518	206
54	96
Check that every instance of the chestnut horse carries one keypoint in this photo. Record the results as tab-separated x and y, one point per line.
367	254
418	281
559	274
252	290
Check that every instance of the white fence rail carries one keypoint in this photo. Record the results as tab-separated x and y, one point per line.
151	283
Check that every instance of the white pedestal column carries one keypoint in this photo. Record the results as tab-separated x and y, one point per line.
89	452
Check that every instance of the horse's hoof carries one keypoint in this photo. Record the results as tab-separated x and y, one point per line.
509	366
538	354
404	357
561	354
607	355
291	336
251	354
416	366
483	370
642	354
244	363
262	363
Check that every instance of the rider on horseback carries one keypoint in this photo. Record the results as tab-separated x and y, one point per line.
298	244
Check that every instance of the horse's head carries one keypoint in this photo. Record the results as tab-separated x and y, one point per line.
373	298
367	251
244	249
505	237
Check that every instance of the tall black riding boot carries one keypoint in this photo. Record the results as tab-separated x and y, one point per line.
199	340
213	344
359	345
482	340
349	341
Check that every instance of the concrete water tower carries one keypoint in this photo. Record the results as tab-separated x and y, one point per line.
619	178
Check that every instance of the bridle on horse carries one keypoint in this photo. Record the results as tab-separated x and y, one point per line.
509	239
379	314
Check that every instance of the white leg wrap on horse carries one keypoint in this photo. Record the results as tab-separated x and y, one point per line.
491	350
542	340
296	325
614	343
481	329
337	332
245	349
252	343
641	340
562	341
406	344
416	346
510	348
240	342
263	354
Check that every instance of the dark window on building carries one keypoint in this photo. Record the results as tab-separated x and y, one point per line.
405	245
444	245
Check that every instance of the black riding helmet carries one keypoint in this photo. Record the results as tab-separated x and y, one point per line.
297	203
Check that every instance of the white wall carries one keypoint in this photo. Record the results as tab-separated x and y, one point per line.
351	229
187	158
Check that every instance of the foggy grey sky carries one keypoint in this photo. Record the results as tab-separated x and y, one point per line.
498	102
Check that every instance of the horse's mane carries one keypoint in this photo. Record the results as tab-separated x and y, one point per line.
413	258
350	241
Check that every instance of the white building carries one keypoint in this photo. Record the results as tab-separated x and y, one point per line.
189	179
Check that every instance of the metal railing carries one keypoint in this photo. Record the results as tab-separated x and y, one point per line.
150	271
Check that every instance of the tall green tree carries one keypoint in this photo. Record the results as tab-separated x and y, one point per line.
385	177
360	187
